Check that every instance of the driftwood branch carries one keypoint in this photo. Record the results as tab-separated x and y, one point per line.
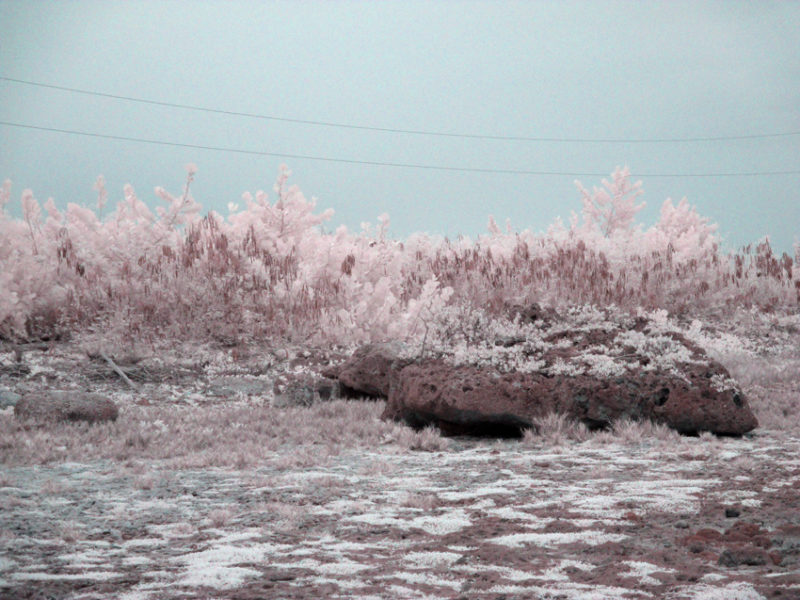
119	371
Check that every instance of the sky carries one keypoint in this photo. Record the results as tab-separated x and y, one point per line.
561	74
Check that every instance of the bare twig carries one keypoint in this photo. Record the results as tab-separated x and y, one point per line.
119	371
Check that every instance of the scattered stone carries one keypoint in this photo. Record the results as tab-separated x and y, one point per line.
229	387
51	406
16	370
368	371
8	398
751	533
748	555
304	391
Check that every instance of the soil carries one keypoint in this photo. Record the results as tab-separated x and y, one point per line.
606	518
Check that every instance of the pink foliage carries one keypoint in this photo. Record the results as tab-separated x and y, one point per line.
269	271
612	209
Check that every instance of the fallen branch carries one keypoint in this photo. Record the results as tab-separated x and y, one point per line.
119	371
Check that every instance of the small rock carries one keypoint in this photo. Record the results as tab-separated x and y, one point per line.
368	371
227	387
696	546
305	392
732	512
749	555
52	406
8	398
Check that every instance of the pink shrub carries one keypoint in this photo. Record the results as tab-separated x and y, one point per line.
270	272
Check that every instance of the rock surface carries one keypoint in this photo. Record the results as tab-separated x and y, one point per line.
8	398
65	406
594	367
304	391
468	399
368	371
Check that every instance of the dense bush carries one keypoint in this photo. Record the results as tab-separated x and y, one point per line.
269	271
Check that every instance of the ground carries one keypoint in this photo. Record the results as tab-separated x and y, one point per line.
202	489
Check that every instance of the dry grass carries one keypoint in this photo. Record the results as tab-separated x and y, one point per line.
428	439
219	436
555	430
772	385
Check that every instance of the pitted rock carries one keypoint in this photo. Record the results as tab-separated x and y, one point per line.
56	405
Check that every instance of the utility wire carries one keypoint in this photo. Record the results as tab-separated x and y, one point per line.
723	138
378	163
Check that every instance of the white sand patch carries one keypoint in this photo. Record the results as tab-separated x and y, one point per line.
486	503
57	501
143	543
590	538
557	572
350	506
136	595
149	505
643	570
171	530
302	551
133	561
341	567
238	536
227	554
508	589
593	522
732	591
88	558
215	567
306	563
431	559
332	544
6	564
424	578
379	519
476	493
715	577
449	522
751	502
507	572
727	454
794	573
217	577
347	584
398	591
87	575
572	591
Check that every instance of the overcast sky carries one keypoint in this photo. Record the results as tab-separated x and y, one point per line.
567	70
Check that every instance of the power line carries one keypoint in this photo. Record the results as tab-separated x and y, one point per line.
377	163
723	138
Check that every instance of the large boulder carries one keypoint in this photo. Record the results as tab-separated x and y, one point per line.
368	371
52	406
477	400
596	370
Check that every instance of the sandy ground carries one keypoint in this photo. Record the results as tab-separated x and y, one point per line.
618	516
483	519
